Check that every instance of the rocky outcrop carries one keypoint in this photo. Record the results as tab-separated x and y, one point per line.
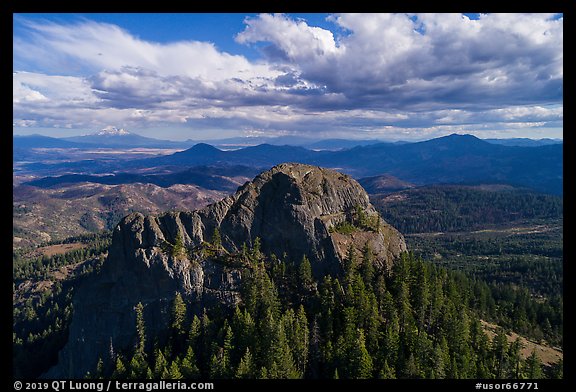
293	208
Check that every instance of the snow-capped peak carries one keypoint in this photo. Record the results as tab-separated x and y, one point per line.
112	131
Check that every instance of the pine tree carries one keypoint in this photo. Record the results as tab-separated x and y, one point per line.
327	304
215	364
315	355
411	367
514	358
188	366
217	240
260	294
380	290
360	215
280	360
220	364
119	370
367	267
178	250
263	373
244	330
391	343
227	352
174	371
244	252
160	364
137	366
420	295
461	346
305	275
453	372
499	353
194	332
300	343
403	306
436	302
178	315
350	264
361	362
204	345
165	373
372	322
533	367
387	372
438	361
423	351
256	253
99	369
140	330
246	366
337	355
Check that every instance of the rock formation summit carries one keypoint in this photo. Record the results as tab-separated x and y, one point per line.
295	210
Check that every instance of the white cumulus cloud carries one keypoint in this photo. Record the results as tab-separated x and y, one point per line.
370	73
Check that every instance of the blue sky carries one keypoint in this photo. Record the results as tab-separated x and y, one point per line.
369	76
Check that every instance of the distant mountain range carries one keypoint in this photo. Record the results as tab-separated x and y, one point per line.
308	143
40	141
524	142
119	138
108	137
451	159
213	178
457	159
341	144
113	137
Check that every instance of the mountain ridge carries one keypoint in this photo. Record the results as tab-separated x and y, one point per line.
450	159
292	208
458	159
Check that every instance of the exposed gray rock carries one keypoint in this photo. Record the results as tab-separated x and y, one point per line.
291	207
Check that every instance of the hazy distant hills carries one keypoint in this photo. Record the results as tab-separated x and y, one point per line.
219	179
113	137
451	159
118	138
94	141
457	159
263	155
381	168
340	144
40	141
524	142
109	138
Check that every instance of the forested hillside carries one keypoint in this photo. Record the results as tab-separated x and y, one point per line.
418	321
443	208
43	288
422	319
509	239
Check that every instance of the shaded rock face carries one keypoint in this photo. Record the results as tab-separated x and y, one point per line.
291	208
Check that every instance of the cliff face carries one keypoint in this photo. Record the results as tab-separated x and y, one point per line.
292	208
